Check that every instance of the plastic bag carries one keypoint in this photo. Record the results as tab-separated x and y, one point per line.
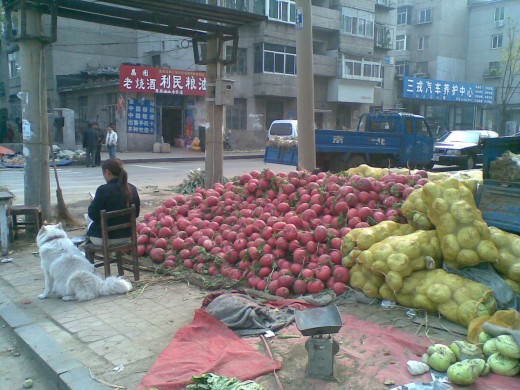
485	273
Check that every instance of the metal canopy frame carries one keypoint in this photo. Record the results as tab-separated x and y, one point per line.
174	17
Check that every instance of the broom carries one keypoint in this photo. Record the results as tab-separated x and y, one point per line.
62	211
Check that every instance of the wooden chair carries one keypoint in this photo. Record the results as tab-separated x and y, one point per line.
126	252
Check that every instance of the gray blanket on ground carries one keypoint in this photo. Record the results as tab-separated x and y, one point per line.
246	317
495	330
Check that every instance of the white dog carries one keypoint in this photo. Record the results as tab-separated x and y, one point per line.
67	271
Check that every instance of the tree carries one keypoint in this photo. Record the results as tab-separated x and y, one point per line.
510	80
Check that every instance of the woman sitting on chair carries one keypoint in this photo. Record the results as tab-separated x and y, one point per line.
116	194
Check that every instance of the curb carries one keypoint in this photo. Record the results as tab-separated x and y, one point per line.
181	159
185	159
65	372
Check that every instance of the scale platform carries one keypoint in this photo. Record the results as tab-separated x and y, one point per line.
317	323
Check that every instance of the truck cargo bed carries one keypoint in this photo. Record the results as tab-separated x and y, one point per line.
498	200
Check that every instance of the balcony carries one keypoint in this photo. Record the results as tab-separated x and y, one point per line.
266	84
325	65
491	73
385	4
325	19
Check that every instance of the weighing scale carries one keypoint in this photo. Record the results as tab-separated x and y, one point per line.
319	324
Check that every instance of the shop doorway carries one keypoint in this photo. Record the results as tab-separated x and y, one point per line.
171	127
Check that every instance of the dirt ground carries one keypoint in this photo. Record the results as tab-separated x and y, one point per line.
294	356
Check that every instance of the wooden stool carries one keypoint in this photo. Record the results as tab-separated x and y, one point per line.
32	217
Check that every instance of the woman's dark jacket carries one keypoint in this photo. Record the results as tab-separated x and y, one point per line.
109	197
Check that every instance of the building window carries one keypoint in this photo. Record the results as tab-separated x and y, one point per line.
277	59
14	70
241	5
240	67
499	14
83	108
424	42
236	115
156	60
357	22
425	15
400	42
282	10
404	15
421	69
384	36
402	68
362	70
496	41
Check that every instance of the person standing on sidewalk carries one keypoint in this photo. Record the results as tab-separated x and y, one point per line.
111	141
101	136
90	144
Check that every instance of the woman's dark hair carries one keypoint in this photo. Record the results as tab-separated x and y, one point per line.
115	167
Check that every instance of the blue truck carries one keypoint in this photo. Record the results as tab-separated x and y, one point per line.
497	199
382	139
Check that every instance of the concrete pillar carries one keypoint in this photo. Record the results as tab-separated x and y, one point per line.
305	77
214	163
69	128
35	130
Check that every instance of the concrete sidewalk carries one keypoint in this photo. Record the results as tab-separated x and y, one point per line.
89	345
109	341
180	154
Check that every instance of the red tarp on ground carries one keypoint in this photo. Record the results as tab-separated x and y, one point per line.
206	345
368	355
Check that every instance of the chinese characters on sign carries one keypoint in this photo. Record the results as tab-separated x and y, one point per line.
160	80
449	91
141	116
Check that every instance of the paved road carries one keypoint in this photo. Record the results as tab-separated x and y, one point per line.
18	364
77	181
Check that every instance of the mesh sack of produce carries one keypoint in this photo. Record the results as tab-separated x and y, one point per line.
368	171
415	211
368	282
509	319
470	179
364	238
397	257
465	237
458	299
508	246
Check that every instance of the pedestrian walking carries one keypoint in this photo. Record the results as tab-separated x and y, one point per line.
101	137
90	145
111	141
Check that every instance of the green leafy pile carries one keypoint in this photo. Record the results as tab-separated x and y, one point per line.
217	382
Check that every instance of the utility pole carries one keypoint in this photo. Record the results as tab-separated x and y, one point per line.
305	77
33	95
214	162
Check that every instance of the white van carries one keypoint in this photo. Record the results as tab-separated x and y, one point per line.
285	128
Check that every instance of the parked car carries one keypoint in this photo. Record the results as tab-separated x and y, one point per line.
462	148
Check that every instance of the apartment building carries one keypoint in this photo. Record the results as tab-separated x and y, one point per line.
489	37
353	71
367	55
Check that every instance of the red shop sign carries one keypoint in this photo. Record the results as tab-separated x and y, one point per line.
146	79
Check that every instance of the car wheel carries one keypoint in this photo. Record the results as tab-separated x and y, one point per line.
355	161
470	163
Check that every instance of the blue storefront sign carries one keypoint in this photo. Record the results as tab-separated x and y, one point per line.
447	91
141	116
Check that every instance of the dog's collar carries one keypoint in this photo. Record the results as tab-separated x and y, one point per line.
51	238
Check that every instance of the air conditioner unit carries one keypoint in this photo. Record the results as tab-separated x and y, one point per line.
499	23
